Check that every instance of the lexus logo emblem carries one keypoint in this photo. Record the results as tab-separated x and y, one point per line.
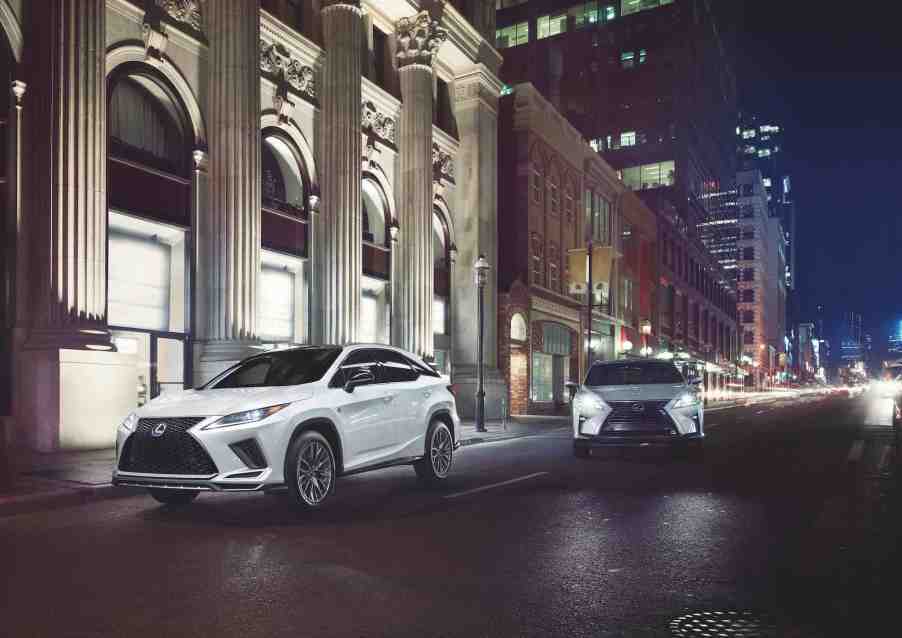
158	430
638	407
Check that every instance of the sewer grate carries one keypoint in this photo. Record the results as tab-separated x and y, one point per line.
723	624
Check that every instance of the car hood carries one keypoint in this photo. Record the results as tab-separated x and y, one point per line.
651	392
222	402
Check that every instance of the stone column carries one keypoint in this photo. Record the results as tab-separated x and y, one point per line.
67	360
476	225
228	228
418	40
339	254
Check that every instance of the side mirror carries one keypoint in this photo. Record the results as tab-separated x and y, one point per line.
571	389
694	381
361	377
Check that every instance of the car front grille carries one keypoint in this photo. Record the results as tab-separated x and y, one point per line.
626	418
175	451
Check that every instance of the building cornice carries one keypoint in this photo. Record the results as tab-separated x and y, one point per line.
305	51
478	84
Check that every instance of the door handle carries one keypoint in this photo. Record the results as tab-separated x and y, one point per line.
388	398
427	393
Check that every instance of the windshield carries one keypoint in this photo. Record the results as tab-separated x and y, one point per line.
280	368
633	374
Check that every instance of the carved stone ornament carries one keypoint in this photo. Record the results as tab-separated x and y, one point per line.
376	123
442	165
187	11
419	38
277	61
155	40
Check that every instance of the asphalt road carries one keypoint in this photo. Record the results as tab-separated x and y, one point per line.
786	528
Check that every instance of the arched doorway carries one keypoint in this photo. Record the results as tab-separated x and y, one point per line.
149	225
283	317
375	302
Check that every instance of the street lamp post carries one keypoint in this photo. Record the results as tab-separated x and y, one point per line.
480	276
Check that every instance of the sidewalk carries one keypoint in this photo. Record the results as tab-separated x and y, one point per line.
62	479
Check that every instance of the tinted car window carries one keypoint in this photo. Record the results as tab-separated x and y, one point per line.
287	367
633	374
357	360
395	368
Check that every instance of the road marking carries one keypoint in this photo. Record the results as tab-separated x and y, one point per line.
494	485
856	451
711	425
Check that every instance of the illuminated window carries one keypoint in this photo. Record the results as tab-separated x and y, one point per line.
748	134
764	152
628	7
542	377
512	36
628	59
585	14
439	317
610	12
518	327
643	55
648	176
551	25
506	90
628	138
767	182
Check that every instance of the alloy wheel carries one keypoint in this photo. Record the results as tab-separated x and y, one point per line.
314	472
440	451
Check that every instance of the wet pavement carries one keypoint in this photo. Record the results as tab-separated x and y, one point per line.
788	527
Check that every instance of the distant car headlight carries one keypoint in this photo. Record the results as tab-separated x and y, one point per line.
250	416
130	422
686	401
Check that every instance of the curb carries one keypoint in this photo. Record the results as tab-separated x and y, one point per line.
475	440
13	504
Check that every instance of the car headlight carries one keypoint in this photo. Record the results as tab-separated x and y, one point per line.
130	422
686	401
588	404
250	416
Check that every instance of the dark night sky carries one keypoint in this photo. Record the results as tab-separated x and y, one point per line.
832	74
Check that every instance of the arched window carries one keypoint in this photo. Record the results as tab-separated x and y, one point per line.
374	213
518	327
554	191
145	125
282	179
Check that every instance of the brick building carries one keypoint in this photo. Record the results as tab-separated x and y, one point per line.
558	192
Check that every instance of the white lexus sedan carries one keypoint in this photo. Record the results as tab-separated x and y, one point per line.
296	418
637	403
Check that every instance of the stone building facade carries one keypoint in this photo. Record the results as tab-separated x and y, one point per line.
190	182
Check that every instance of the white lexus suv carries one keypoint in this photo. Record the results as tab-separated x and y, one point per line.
296	418
637	403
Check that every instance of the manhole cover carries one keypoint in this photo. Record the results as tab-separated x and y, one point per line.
723	624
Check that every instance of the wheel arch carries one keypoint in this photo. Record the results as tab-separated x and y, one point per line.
326	428
444	415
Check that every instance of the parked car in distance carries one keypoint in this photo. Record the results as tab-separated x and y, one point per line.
637	403
296	418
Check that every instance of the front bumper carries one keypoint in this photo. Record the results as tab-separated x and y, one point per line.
637	441
233	469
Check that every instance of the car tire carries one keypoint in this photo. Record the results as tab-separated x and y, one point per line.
173	497
434	467
310	470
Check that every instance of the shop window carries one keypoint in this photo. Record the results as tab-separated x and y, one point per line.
439	316
542	377
512	36
518	328
556	339
276	316
551	25
374	311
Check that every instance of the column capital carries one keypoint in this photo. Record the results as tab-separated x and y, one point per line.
344	4
419	39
